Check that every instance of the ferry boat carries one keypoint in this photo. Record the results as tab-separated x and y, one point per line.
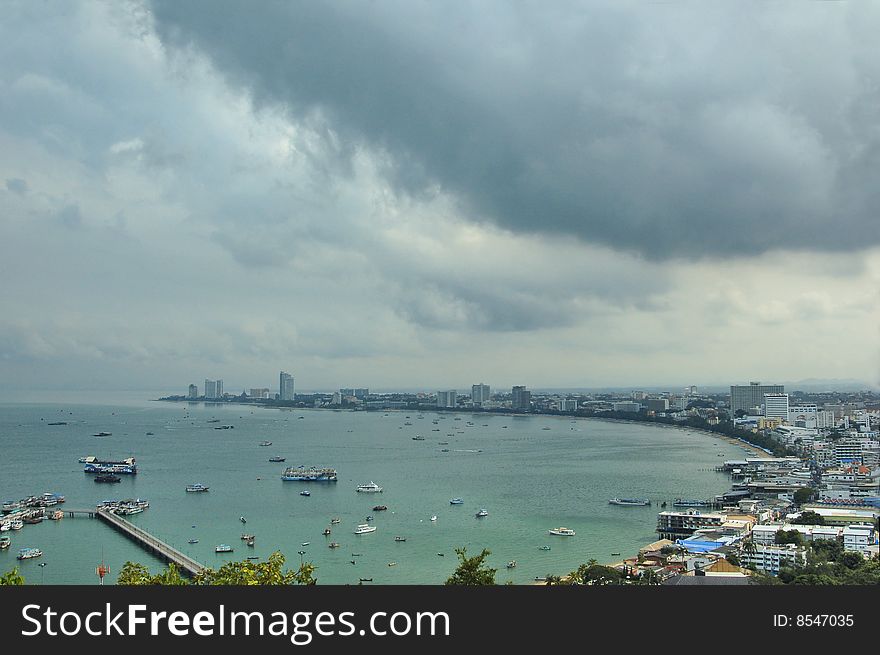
456	501
563	532
197	487
277	458
29	553
223	548
630	502
681	502
481	513
364	528
123	467
107	477
311	474
371	488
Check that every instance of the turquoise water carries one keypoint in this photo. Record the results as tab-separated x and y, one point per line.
529	478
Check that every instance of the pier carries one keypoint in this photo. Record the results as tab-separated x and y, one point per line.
188	566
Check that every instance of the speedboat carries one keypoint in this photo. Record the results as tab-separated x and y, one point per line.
332	544
456	501
335	520
364	528
223	548
196	488
563	532
326	532
242	519
434	518
481	514
193	541
305	492
371	488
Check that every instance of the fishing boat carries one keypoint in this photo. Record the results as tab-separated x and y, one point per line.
305	543
102	434
108	478
369	518
380	508
399	539
630	502
196	488
246	537
223	548
335	520
371	488
29	553
418	437
333	544
562	532
277	459
456	501
392	563
481	514
365	579
364	528
249	543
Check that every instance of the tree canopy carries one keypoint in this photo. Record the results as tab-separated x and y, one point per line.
472	571
270	572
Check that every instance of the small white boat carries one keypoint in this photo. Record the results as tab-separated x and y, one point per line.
193	541
196	488
371	488
481	514
223	548
242	519
365	528
305	492
563	532
434	518
456	501
29	553
511	564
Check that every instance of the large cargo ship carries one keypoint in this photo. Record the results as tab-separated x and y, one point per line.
311	474
124	467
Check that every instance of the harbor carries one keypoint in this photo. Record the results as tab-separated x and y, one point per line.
529	481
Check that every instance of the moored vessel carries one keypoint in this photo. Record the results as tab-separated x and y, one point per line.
311	474
632	502
29	553
371	488
364	528
562	532
196	487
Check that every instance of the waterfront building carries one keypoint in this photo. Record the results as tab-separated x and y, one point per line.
446	398
262	392
626	406
656	404
747	397
677	525
568	405
193	392
213	389
522	399
776	405
285	386
361	393
479	393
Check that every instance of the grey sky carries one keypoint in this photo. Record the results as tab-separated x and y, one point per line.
404	193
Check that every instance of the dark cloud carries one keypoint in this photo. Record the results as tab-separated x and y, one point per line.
671	131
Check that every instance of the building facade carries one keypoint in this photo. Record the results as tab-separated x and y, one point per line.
285	387
747	397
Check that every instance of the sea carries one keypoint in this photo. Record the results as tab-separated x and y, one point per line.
531	474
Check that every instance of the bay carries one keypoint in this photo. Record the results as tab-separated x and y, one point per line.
532	473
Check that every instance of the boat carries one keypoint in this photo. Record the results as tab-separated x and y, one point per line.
29	553
481	514
196	488
254	557
681	502
562	532
242	519
335	520
434	518
369	518
277	459
305	543
16	524
511	564
543	547
83	460
250	543
364	528
371	488
5	542
247	537
265	443
223	548
311	474
57	515
456	501
418	437
102	434
122	467
615	554
305	492
630	502
365	579
392	563
326	531
399	539
380	508
107	477
151	434
193	541
333	544
57	423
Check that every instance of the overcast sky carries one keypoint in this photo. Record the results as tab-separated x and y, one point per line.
433	194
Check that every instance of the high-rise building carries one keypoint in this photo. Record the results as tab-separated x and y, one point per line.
260	392
219	388
446	398
479	393
361	393
211	389
656	404
776	405
285	387
522	399
747	397
193	391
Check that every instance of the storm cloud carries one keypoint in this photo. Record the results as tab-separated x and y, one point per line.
668	130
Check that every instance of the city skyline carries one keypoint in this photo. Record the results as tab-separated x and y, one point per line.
595	196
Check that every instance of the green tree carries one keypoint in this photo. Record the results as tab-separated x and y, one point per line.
809	517
11	578
804	495
593	573
472	571
270	572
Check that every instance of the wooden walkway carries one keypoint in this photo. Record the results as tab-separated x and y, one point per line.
188	566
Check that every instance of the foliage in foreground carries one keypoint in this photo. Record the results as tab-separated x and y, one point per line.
270	572
472	571
11	578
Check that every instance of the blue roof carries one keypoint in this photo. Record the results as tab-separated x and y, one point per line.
697	546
